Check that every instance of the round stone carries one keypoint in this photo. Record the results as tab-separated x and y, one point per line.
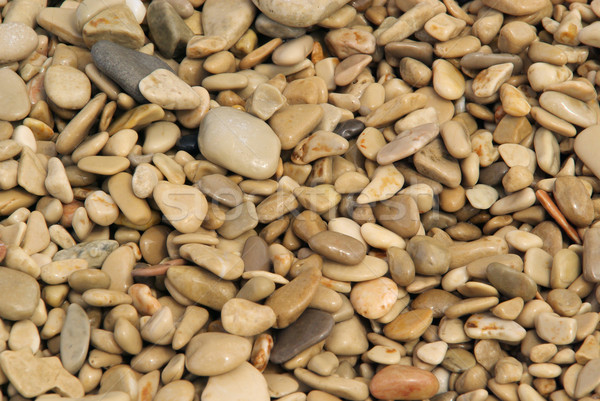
17	41
211	354
67	87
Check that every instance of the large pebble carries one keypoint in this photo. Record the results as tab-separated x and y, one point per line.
18	41
298	13
311	328
245	383
574	202
167	90
228	19
67	87
246	318
289	301
485	326
74	338
19	294
239	142
14	101
211	354
338	247
398	382
224	264
201	286
184	206
511	282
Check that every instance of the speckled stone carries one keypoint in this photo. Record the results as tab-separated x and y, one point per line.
94	252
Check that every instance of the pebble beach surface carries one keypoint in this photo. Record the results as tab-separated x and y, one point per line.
301	200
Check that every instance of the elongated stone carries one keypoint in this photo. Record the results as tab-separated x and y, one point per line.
74	338
311	327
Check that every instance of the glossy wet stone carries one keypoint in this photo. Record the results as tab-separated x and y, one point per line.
311	327
510	282
403	383
349	129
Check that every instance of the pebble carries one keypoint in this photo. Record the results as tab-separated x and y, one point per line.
259	162
228	19
407	143
578	209
400	382
125	66
289	301
179	96
14	101
213	354
374	298
338	247
246	318
33	376
18	40
117	24
310	328
557	330
74	338
486	326
61	80
169	31
201	286
298	14
244	376
568	108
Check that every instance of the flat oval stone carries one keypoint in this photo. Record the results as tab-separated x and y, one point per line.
410	325
289	301
407	143
67	87
510	282
14	101
201	286
19	294
312	327
164	88
298	13
338	247
486	326
228	386
211	354
398	382
239	142
74	338
568	108
518	9
368	269
573	200
18	41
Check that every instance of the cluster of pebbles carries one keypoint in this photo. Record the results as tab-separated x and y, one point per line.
302	200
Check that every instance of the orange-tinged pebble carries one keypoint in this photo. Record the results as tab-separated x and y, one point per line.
398	382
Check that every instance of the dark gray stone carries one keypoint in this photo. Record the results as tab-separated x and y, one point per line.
311	327
169	32
492	174
125	66
349	129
